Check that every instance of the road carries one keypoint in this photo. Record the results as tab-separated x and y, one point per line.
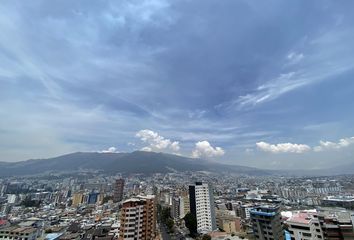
178	235
164	233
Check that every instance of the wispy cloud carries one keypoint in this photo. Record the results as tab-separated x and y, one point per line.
298	71
294	57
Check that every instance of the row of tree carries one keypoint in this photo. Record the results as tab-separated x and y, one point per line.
189	220
166	218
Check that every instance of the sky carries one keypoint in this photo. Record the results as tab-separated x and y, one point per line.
256	83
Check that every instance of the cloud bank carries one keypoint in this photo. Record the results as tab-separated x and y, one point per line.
327	145
283	147
204	149
156	142
301	148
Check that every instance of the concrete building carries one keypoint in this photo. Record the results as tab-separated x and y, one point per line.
100	198
11	198
202	206
176	207
228	222
336	225
304	226
339	201
92	198
266	223
185	205
19	233
138	218
77	199
118	190
245	211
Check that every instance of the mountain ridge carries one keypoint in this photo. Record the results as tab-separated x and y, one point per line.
134	162
146	162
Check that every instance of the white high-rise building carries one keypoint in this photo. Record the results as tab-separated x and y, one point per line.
202	206
11	198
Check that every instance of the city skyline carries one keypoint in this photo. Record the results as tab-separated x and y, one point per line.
266	84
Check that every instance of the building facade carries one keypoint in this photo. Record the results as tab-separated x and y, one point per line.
304	226
202	206
19	233
336	225
118	190
138	218
92	198
78	199
266	223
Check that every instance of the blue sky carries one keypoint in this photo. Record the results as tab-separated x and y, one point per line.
258	83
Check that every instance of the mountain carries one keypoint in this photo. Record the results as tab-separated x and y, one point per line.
338	170
135	162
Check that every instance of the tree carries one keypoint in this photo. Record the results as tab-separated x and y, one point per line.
206	237
169	224
165	214
28	202
191	223
106	199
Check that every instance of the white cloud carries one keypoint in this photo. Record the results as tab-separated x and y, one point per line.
156	142
327	145
146	149
204	149
175	146
110	150
283	147
294	57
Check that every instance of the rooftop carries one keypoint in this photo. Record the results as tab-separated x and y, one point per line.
301	217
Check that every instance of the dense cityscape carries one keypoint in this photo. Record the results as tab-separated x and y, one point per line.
176	120
176	205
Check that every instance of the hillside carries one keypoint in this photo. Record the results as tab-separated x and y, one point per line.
135	162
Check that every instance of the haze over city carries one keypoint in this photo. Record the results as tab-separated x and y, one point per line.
267	84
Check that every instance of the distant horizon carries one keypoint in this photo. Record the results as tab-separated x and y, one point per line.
208	160
252	83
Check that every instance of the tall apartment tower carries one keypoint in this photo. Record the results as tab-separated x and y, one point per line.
78	199
118	190
266	223
138	219
202	206
176	207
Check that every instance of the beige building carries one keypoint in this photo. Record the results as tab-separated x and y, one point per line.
77	199
100	198
227	221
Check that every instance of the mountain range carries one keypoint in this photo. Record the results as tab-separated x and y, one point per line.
144	162
135	162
